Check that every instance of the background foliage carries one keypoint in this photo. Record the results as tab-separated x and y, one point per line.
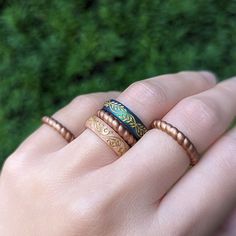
51	51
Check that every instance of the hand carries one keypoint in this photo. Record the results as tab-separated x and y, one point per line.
49	187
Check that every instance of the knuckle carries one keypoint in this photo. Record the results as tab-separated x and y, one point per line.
200	79
228	160
100	206
190	76
183	74
201	111
87	209
82	100
22	175
177	228
228	85
13	166
148	91
15	174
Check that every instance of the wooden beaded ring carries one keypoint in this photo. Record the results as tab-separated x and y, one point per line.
119	128
108	135
180	138
61	129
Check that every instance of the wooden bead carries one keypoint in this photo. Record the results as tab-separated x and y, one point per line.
61	129
116	126
180	138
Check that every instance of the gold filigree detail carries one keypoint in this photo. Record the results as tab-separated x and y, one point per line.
124	115
107	134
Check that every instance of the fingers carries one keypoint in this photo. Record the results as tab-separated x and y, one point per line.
202	118
73	116
205	116
149	99
208	190
153	98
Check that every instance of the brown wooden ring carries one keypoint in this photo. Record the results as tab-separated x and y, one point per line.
119	128
180	138
108	135
61	129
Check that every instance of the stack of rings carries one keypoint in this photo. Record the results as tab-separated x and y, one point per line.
117	125
126	117
120	129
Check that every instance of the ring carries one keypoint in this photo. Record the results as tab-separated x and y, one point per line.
61	129
114	124
107	134
180	138
126	117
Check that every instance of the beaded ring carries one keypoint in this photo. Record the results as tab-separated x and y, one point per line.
111	121
61	129
181	139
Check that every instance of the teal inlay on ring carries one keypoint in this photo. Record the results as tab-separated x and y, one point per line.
126	117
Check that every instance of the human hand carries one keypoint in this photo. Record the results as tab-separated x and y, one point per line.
49	187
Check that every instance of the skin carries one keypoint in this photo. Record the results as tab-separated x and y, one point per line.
49	187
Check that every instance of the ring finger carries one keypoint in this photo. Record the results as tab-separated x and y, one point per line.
202	118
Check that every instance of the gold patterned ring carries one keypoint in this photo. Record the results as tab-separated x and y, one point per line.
61	129
180	138
126	117
108	135
119	128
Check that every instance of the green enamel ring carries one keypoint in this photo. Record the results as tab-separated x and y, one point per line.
126	117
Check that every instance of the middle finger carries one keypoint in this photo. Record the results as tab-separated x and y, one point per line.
148	99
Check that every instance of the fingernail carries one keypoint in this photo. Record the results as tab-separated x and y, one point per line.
211	77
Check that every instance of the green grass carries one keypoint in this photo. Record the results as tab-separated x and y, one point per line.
52	51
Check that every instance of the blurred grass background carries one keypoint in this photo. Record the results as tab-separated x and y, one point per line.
52	51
